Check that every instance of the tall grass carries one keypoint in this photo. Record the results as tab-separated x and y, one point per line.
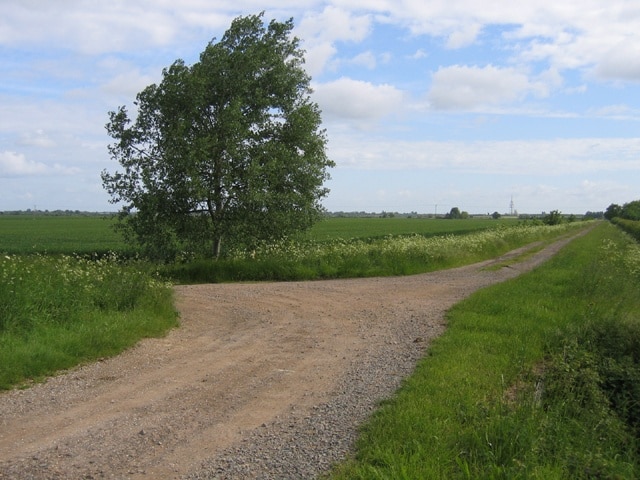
531	380
56	312
632	227
294	259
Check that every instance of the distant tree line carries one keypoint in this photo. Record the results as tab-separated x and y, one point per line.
628	211
55	213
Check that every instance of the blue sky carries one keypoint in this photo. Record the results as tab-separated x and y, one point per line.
427	105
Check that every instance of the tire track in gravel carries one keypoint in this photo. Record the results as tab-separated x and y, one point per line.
245	356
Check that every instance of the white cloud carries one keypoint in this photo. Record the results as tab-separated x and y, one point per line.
572	34
365	59
86	27
320	31
618	111
468	88
569	34
463	37
127	84
517	157
622	62
354	99
335	24
37	138
419	54
14	164
318	56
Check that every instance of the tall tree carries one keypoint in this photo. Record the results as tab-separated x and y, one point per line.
631	210
614	210
230	147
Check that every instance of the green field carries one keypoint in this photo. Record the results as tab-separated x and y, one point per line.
53	234
345	228
88	234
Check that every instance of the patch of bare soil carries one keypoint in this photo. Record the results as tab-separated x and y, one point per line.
250	363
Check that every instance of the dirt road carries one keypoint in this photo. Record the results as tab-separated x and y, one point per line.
250	363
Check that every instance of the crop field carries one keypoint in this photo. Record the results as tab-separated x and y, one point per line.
89	234
64	234
346	228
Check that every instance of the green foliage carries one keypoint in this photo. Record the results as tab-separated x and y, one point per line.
628	211
536	377
228	147
593	215
456	214
554	217
631	210
612	211
605	355
58	311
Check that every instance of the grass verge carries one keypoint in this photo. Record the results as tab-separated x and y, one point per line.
537	377
58	312
363	257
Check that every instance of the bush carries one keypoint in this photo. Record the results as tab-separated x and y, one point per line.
553	218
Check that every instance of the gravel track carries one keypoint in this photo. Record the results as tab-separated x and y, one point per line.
261	381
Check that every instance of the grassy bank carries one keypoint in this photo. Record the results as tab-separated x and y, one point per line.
364	256
537	377
57	312
632	227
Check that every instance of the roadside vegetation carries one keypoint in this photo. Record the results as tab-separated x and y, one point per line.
632	227
61	309
308	259
537	377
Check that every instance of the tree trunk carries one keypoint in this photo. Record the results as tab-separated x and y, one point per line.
217	246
